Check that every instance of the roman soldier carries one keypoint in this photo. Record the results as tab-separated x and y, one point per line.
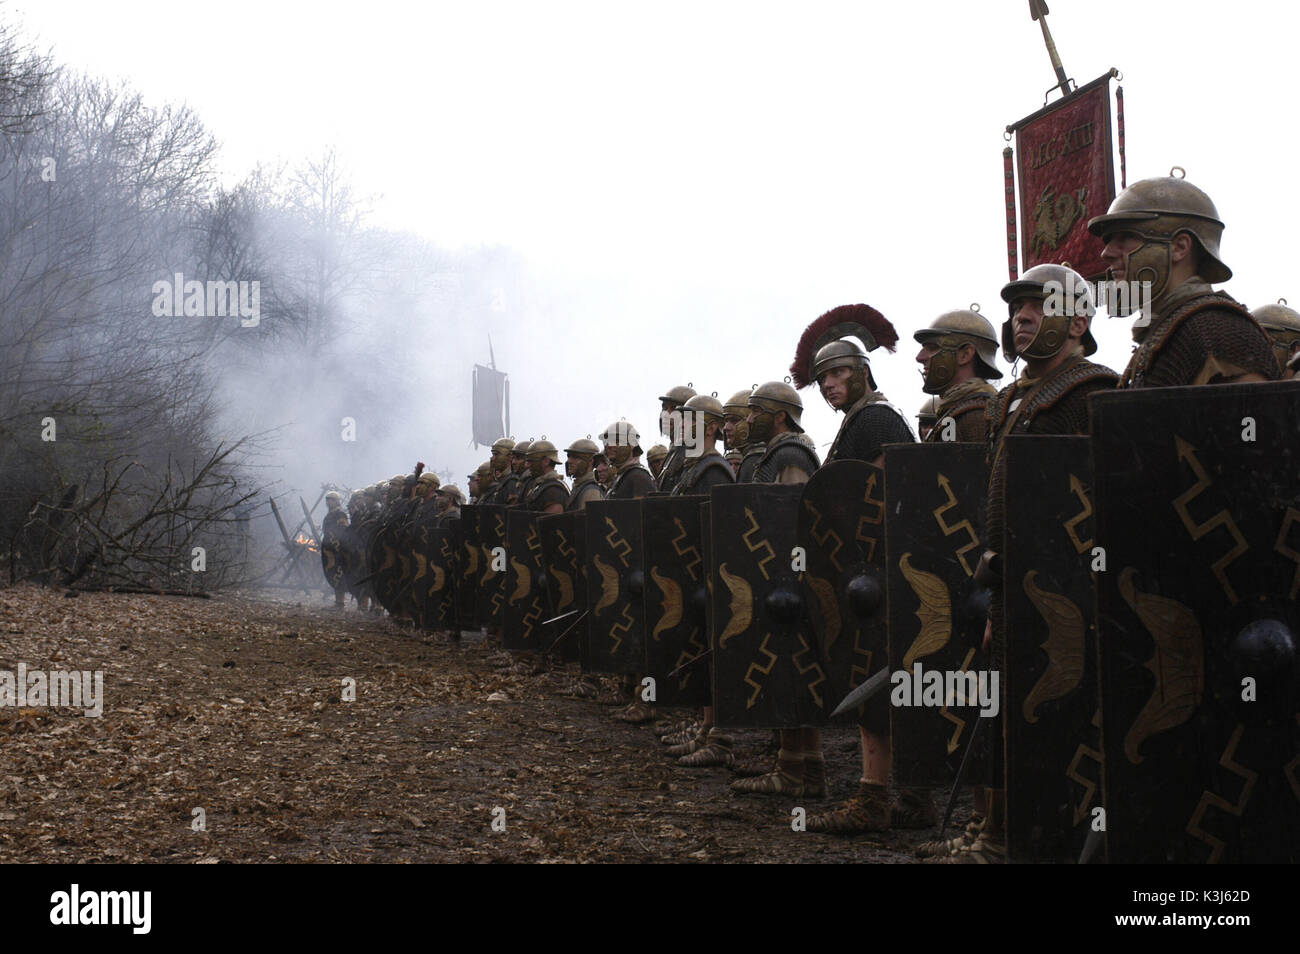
655	458
580	468
1282	325
503	475
842	371
704	466
546	491
927	416
670	427
958	359
735	430
1162	237
333	546
774	422
1050	314
623	448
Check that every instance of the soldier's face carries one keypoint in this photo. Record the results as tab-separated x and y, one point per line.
1026	318
834	386
729	429
1119	246
602	469
924	357
518	464
537	466
617	455
577	465
668	420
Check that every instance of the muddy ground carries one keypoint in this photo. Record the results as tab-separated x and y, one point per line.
235	706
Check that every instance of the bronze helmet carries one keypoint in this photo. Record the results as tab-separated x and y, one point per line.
946	334
929	413
678	395
737	406
1157	210
771	397
1283	327
583	445
658	452
1065	295
621	434
542	448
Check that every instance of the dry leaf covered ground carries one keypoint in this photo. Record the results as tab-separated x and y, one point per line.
235	706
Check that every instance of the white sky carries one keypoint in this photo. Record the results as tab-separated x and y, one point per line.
726	170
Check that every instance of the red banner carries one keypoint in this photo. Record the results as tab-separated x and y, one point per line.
1067	176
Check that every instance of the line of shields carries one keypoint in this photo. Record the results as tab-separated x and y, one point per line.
1149	692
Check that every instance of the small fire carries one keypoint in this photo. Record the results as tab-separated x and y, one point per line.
308	542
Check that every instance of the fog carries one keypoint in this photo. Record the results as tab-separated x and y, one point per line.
625	199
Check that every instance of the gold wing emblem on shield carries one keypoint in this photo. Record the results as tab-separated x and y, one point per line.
1178	664
439	577
830	610
608	584
565	583
471	569
742	605
935	612
1063	646
525	581
672	602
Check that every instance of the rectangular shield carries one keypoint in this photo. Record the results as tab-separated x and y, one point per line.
563	538
676	629
934	527
527	604
841	534
492	563
766	669
616	615
468	569
440	608
1198	518
1052	719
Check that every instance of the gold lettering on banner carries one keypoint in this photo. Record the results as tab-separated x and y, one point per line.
1072	773
1213	800
524	581
1071	525
608	584
691	551
1187	453
1178	664
671	603
1063	646
755	667
622	549
742	605
1281	546
946	486
825	536
1070	141
760	547
934	612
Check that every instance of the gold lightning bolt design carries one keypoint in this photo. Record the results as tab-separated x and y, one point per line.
964	525
1212	800
755	667
1187	453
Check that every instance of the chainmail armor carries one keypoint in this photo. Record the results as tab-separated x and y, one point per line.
786	450
870	424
